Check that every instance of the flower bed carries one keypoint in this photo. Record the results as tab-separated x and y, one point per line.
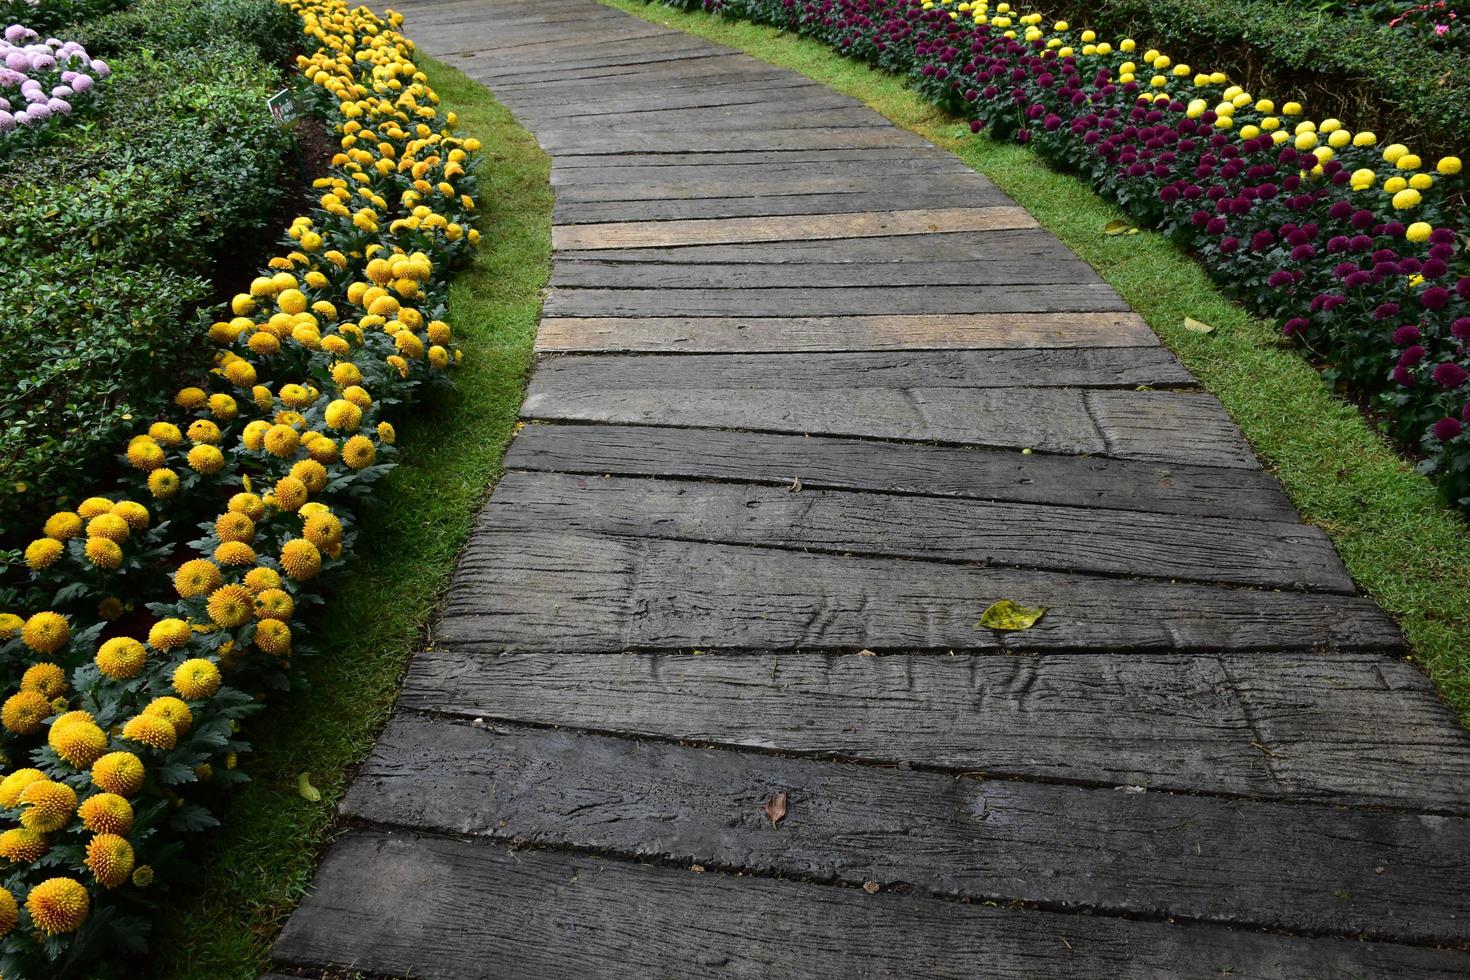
160	612
41	81
1355	247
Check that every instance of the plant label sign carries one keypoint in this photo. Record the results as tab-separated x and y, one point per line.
283	109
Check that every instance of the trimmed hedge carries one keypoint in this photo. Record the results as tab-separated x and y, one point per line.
113	229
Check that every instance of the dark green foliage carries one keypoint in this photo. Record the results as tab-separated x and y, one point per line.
170	26
113	227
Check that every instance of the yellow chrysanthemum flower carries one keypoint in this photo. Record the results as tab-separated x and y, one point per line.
273	636
300	559
359	452
145	454
9	912
232	526
196	577
274	604
206	459
12	785
169	634
134	514
282	441
173	711
148	730
248	504
122	658
58	905
118	772
47	806
24	712
46	632
259	579
198	678
43	553
106	813
230	606
81	743
234	553
110	859
163	483
45	678
63	525
109	526
23	846
104	554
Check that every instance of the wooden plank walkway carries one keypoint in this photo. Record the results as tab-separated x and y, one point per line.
810	396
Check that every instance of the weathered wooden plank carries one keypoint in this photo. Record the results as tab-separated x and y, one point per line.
593	273
811	175
590	140
839	371
907	196
751	119
1354	729
836	301
661	183
659	58
435	908
852	464
809	97
965	331
604	162
662	234
1386	876
1058	420
543	589
1109	542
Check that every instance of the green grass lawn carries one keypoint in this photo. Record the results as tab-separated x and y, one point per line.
1403	545
257	865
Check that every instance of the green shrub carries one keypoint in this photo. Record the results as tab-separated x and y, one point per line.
113	229
165	26
1390	81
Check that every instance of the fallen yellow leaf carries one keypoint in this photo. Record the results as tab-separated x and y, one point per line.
1008	615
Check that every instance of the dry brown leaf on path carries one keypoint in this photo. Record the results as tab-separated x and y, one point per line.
871	887
776	808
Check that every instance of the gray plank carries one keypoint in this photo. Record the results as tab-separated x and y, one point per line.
905	198
834	301
1351	729
400	904
548	590
1174	428
575	141
602	163
852	464
660	183
1109	542
968	370
1009	246
816	334
598	273
1385	876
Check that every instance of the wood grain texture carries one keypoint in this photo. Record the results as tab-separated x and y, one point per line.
664	234
1351	729
545	589
834	301
1274	554
434	908
1156	855
816	334
946	471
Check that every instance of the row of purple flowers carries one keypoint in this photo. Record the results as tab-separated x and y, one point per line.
1353	247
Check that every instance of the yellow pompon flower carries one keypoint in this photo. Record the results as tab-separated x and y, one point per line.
253	435
274	604
359	452
94	507
1421	182
80	743
104	554
203	431
134	514
44	678
110	608
71	718
198	678
118	772
386	433
241	373
163	483
234	553
122	658
169	634
43	553
46	632
47	806
273	636
343	415
171	710
206	459
106	813
1448	165
290	493
63	526
291	301
264	343
110	859
24	712
232	526
145	454
259	579
190	399
10	624
23	846
58	905
151	731
109	526
143	877
282	441
229	606
9	912
12	785
196	577
1407	198
223	407
300	559
311	473
1408	161
247	504
297	396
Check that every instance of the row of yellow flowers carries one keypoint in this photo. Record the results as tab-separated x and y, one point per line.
158	616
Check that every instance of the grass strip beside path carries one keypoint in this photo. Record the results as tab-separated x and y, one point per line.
261	860
1403	545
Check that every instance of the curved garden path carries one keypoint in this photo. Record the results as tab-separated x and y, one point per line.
773	473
